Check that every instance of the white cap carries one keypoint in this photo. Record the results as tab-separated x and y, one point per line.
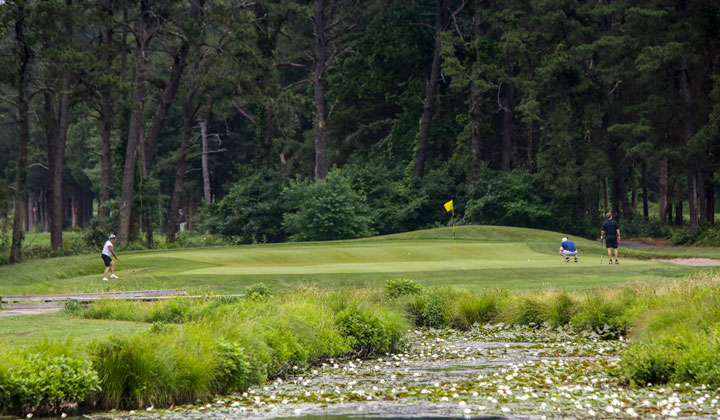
563	240
111	236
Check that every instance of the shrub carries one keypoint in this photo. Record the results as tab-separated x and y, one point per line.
326	209
401	202
257	291
429	309
368	334
524	311
159	369
235	373
251	212
511	199
174	311
604	314
472	309
639	227
402	287
559	310
117	309
47	384
644	364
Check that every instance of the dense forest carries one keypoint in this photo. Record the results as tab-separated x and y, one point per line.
274	120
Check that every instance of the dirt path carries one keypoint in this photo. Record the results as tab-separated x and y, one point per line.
16	312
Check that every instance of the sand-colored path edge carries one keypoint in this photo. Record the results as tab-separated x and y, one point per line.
696	262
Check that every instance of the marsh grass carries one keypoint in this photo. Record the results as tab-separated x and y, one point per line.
200	348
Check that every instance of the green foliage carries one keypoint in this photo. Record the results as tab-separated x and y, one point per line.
705	235
402	287
559	310
604	314
400	202
47	384
251	212
73	306
327	209
639	227
257	291
173	311
429	309
235	373
646	364
475	309
369	333
523	310
513	199
154	369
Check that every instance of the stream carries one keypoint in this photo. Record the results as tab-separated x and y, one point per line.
487	373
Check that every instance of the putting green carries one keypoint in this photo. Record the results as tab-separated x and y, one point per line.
483	256
385	257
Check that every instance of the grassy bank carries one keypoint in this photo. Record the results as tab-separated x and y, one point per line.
194	350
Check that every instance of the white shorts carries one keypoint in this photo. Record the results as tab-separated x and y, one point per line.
567	253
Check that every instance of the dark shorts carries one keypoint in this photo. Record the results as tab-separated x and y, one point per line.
611	242
107	260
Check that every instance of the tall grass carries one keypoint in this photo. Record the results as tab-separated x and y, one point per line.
231	346
199	348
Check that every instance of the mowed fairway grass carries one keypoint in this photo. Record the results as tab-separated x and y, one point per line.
483	256
487	257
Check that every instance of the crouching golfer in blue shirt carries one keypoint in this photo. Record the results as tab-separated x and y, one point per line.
567	249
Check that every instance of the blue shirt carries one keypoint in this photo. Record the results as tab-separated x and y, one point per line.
568	245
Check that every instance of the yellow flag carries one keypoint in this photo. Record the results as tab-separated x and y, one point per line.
449	205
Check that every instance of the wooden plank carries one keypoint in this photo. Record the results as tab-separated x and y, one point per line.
90	299
33	305
103	295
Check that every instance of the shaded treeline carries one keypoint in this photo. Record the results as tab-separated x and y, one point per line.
143	107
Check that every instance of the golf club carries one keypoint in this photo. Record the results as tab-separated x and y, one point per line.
602	242
132	270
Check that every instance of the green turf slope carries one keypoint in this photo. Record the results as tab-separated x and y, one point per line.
483	256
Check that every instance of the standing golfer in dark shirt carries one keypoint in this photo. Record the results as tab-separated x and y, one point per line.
611	232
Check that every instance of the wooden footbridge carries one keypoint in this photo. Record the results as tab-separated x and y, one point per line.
36	304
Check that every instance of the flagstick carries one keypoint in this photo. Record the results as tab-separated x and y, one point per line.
454	244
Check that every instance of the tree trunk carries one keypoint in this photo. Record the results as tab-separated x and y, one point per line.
530	156
23	138
620	199
135	126
475	130
664	201
56	126
283	165
321	163
30	213
106	121
700	183
205	168
507	133
150	143
710	200
643	183
431	89
74	206
606	195
634	200
688	130
679	213
180	166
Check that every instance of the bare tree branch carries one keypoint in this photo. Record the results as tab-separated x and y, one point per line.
244	113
